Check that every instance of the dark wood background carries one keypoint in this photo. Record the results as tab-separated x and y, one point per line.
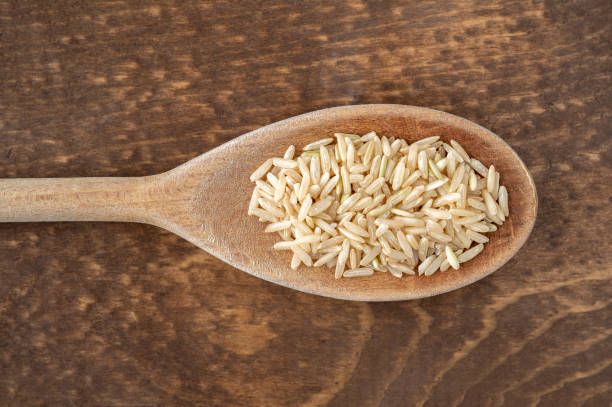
130	315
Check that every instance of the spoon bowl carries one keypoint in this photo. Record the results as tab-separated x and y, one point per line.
205	200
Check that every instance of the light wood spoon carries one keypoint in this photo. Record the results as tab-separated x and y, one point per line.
205	200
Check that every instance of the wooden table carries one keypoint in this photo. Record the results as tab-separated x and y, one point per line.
130	315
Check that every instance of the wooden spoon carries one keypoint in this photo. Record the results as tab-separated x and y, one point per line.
205	200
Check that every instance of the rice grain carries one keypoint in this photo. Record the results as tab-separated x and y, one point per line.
369	203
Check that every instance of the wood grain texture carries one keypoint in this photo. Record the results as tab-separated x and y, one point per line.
127	314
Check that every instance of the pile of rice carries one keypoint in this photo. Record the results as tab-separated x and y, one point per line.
360	204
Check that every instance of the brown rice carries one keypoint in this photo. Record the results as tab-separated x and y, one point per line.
361	204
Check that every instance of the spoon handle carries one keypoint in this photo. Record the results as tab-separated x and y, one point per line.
75	199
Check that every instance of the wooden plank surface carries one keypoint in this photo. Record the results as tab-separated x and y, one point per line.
128	314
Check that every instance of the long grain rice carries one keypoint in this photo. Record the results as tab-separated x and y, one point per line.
503	200
315	145
362	204
283	163
360	272
451	257
470	254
